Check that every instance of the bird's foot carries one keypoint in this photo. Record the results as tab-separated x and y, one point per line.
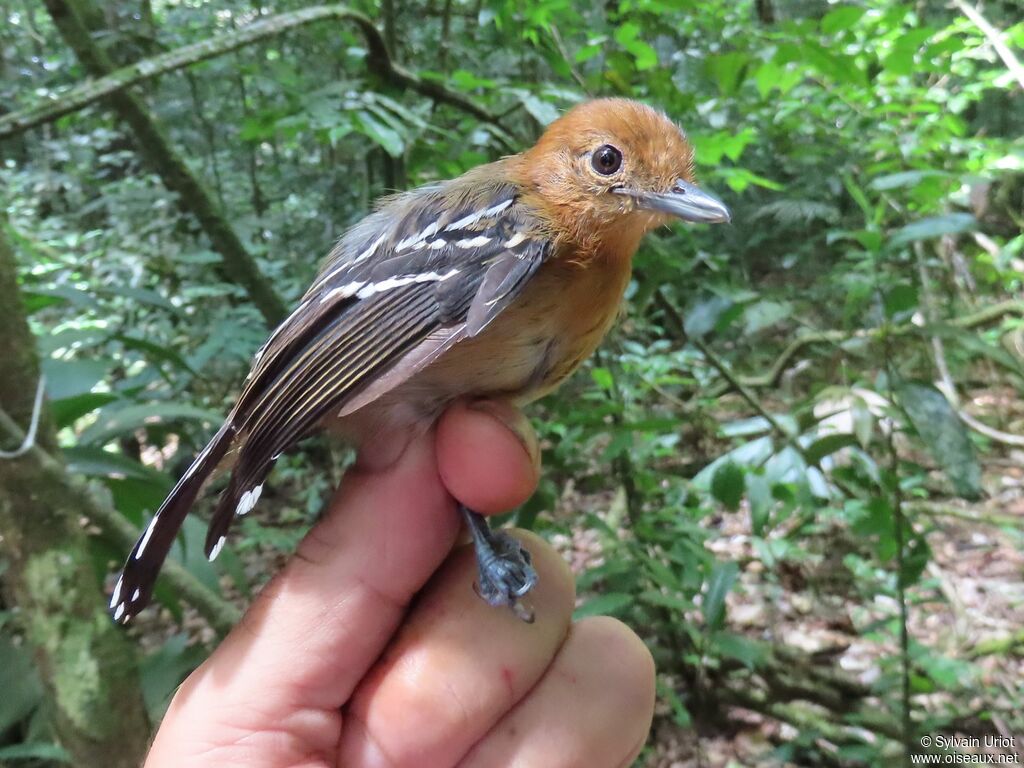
505	573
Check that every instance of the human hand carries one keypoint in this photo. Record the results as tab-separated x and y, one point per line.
370	648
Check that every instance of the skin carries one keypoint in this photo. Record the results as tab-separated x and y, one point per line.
372	649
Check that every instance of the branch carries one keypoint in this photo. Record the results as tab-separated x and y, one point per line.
378	61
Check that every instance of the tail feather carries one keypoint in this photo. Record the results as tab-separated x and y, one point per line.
238	499
135	586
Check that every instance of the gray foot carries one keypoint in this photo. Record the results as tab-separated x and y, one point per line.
505	573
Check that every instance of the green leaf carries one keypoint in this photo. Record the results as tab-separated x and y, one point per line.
759	494
827	445
384	135
67	378
35	750
732	646
899	299
727	485
609	604
162	672
93	461
944	434
719	585
19	681
644	56
728	69
704	315
602	377
934	226
115	422
842	18
541	111
904	179
65	412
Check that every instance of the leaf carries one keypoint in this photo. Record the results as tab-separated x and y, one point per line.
35	750
608	604
719	585
541	111
900	299
764	314
933	226
19	681
162	671
827	445
944	434
384	135
115	422
67	378
704	315
727	70
644	56
65	412
841	18
92	461
602	377
732	646
727	485
904	179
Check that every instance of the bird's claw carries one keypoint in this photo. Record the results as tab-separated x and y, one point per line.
506	575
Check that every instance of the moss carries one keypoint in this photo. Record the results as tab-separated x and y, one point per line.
71	643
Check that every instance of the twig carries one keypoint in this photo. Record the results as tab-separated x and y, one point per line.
30	438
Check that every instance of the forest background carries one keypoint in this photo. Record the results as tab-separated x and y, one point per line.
796	467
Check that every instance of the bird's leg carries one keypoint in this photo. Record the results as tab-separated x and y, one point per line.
505	572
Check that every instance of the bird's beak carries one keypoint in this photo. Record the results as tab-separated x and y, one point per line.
685	201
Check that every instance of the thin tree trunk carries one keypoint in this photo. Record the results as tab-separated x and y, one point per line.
87	664
237	263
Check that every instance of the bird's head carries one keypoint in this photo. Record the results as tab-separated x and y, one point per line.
613	169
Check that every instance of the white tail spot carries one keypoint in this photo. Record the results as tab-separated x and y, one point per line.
248	500
140	548
217	548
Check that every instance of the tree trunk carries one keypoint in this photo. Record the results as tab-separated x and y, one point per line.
87	664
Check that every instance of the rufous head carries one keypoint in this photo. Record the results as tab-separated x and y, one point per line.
617	168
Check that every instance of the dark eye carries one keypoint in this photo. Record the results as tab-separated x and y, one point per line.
606	160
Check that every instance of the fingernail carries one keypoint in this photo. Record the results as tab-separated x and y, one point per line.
517	423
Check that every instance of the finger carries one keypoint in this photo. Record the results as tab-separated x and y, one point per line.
593	707
456	666
482	428
322	622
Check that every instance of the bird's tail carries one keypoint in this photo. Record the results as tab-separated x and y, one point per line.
135	587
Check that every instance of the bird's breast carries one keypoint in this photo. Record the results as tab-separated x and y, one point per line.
537	342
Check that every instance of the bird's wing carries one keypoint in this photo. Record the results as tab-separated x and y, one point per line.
428	269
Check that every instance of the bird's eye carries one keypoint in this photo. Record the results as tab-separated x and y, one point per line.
606	160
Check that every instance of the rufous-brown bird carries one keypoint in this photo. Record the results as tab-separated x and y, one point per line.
496	284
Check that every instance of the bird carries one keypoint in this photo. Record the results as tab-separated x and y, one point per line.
496	284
